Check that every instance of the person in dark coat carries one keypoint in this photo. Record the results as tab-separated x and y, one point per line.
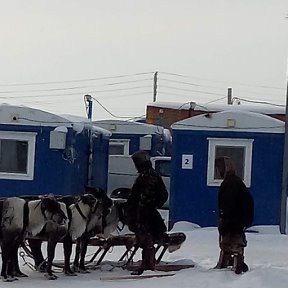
236	212
148	194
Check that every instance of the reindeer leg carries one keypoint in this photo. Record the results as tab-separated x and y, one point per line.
77	255
67	246
51	246
11	269
35	246
84	244
5	258
16	269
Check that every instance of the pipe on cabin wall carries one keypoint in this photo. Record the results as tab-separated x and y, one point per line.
283	209
229	99
88	98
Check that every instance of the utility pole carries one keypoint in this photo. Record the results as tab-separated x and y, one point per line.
155	86
229	95
283	215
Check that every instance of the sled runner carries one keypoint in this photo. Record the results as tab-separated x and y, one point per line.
171	242
136	277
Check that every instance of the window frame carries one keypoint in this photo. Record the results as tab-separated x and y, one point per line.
229	142
30	137
120	142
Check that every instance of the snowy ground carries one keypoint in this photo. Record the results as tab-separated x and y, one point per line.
266	255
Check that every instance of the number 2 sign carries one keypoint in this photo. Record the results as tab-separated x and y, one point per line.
187	161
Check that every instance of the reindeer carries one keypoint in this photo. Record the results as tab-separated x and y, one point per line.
48	218
20	218
85	214
113	214
12	233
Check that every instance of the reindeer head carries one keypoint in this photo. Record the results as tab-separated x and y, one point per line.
51	209
88	199
101	195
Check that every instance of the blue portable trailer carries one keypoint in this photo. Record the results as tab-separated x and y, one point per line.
42	153
254	141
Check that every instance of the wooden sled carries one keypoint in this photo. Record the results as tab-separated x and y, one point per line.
171	242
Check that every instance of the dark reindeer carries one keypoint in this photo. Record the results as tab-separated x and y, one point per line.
12	234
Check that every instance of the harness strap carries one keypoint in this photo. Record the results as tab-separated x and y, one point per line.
119	228
80	212
41	208
96	207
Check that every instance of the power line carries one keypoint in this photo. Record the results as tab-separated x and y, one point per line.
186	96
189	90
173	94
74	81
188	83
78	93
257	102
109	112
258	93
214	87
219	81
216	100
183	86
72	88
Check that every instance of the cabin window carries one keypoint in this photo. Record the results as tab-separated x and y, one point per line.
119	147
17	153
163	167
239	150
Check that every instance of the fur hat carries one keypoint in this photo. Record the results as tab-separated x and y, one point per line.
141	160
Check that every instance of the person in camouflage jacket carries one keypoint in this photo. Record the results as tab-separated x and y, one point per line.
147	195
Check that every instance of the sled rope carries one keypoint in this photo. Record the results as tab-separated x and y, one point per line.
23	255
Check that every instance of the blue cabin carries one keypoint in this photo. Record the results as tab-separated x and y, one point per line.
42	153
129	136
255	143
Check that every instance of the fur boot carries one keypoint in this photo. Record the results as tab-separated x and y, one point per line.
148	260
225	260
239	265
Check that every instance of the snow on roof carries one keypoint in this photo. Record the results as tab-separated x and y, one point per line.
214	107
79	123
100	130
15	115
232	120
11	114
129	127
75	118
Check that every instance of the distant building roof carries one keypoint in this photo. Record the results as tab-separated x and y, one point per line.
213	107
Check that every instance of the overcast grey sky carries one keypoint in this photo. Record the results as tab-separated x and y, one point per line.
199	47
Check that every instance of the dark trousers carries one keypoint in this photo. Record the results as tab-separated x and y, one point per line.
233	243
232	251
146	241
